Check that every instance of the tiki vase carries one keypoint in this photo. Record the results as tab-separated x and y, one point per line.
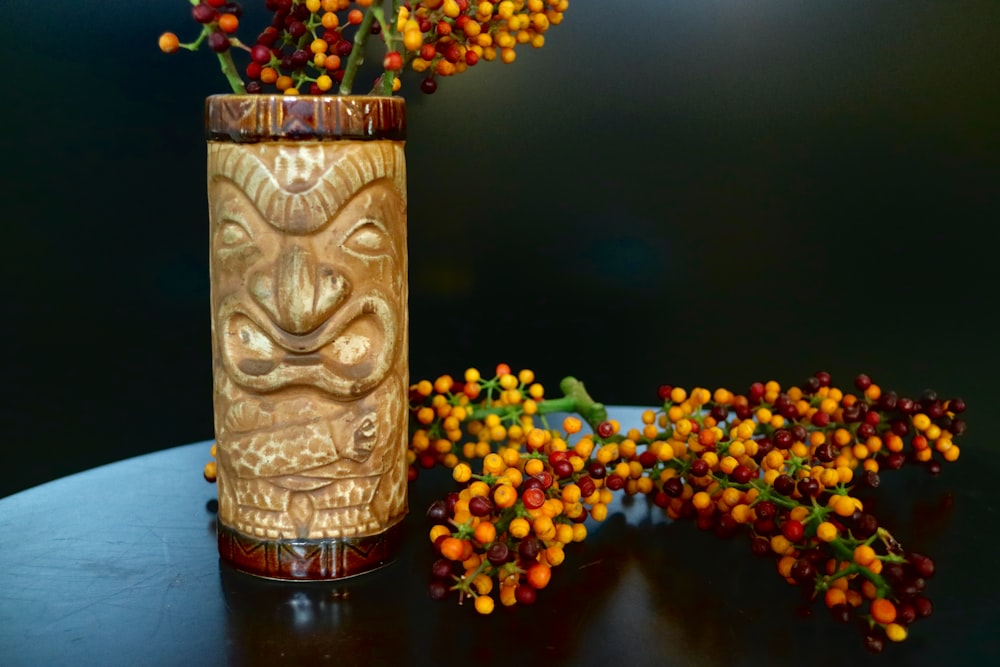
307	201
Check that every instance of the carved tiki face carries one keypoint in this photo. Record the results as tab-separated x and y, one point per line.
308	264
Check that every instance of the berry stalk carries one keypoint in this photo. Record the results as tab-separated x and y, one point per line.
357	57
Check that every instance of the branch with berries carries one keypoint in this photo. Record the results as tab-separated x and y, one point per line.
781	466
318	46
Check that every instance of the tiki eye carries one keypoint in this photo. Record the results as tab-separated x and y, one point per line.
232	234
368	239
234	243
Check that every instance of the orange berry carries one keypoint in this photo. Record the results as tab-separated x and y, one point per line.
834	597
452	548
864	554
169	42
538	575
485	533
228	23
882	610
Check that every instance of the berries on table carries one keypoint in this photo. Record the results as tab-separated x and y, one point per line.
764	466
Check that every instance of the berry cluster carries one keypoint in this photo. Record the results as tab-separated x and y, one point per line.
314	46
780	466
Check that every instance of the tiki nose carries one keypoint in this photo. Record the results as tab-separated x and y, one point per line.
299	293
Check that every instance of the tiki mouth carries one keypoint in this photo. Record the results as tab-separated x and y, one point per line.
346	355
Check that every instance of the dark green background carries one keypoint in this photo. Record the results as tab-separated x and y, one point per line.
688	192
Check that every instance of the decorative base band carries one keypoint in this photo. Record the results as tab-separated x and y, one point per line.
309	560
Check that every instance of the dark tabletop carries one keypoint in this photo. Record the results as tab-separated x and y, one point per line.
118	566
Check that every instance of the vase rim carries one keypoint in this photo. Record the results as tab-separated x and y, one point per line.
258	118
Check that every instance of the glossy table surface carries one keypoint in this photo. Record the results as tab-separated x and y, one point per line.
118	566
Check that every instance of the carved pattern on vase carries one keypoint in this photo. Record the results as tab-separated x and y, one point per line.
309	322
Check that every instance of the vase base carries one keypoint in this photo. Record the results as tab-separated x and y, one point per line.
309	560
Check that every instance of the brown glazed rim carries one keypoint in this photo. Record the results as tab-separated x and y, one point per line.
309	560
257	118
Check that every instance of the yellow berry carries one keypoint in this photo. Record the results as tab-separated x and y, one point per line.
484	604
519	527
895	632
462	473
826	531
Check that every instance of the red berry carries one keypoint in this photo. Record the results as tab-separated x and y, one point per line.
557	456
923	606
820	419
393	61
784	484
296	29
438	589
742	474
481	506
922	565
268	37
218	42
438	512
782	438
673	487
546	478
803	571
699	468
862	382
562	469
765	509
204	13
260	54
808	487
647	459
525	594
532	498
443	568
498	553
793	530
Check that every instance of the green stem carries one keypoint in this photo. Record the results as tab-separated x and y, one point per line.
592	412
229	69
357	51
575	399
391	36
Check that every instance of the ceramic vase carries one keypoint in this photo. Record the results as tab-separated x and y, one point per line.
307	203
